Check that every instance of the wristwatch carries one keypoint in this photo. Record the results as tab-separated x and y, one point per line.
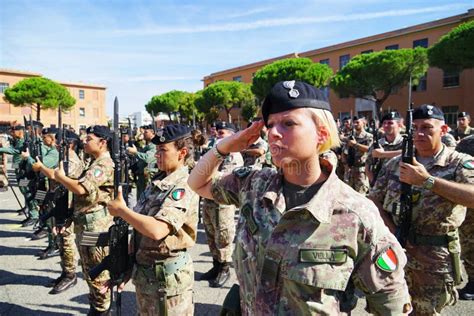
429	183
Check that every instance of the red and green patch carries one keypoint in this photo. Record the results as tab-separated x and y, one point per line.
98	173
469	164
177	194
387	261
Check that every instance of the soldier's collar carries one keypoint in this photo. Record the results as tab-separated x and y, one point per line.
172	179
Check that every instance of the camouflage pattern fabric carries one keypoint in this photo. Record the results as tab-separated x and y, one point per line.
433	215
448	140
309	259
387	146
466	231
460	135
90	214
145	159
253	161
355	176
218	220
180	211
330	156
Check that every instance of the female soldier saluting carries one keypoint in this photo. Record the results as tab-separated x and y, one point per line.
304	238
165	225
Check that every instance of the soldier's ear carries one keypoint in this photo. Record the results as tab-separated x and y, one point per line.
182	153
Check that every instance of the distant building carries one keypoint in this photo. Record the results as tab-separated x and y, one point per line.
140	118
451	91
88	110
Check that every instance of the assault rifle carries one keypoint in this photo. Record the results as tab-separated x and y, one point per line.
351	150
117	262
406	206
376	163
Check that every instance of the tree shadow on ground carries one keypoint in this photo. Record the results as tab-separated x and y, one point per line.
9	309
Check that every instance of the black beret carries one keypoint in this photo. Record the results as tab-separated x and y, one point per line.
391	116
289	95
463	114
428	111
225	125
35	124
69	135
149	126
49	130
99	131
171	133
360	117
213	124
346	119
17	128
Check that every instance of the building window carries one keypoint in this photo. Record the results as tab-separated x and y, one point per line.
367	51
451	79
392	47
450	115
420	43
237	78
343	60
81	94
3	86
324	61
82	112
422	84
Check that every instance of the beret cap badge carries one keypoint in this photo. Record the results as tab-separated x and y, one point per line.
430	109
293	93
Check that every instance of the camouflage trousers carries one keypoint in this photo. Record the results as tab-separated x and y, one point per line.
466	234
430	292
67	250
356	178
176	288
219	225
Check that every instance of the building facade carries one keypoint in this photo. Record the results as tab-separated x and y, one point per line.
88	110
452	92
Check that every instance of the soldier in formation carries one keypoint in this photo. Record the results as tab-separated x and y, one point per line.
442	183
305	240
463	129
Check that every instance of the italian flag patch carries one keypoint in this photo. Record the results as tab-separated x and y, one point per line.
177	194
469	165
387	261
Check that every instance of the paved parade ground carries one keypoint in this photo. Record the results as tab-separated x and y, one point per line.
23	276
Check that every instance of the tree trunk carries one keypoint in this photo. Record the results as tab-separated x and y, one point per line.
38	112
229	117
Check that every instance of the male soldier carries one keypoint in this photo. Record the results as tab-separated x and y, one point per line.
145	159
3	166
254	156
448	139
466	231
50	158
219	221
65	231
355	154
388	147
463	129
441	180
92	191
212	135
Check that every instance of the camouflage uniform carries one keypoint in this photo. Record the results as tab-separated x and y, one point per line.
448	140
164	269
433	245
330	156
466	231
355	175
218	220
460	135
378	163
91	214
145	160
253	161
308	259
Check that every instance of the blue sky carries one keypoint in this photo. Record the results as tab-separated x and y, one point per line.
139	49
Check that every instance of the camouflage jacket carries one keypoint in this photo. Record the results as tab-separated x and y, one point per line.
250	160
308	259
179	209
432	214
460	135
387	146
362	138
449	140
231	162
98	181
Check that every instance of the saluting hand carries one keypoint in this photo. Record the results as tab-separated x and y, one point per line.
415	174
241	140
117	206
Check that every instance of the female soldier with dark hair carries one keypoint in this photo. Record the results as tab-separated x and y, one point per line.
304	238
165	226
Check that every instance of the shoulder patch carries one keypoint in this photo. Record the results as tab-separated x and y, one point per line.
242	172
468	164
178	194
387	260
98	173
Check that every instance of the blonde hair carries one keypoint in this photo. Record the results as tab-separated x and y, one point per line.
325	118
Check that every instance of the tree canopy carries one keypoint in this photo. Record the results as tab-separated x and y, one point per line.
375	75
41	92
249	111
303	69
454	50
188	107
225	95
168	102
